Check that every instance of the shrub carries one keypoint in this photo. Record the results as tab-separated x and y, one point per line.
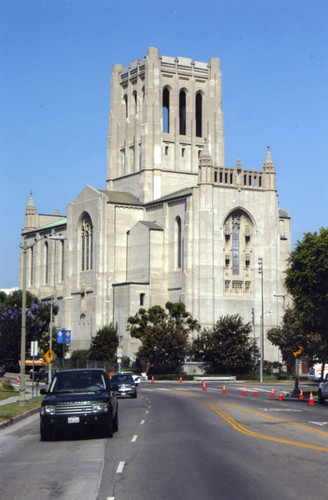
6	385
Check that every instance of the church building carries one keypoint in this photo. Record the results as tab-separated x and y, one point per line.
172	222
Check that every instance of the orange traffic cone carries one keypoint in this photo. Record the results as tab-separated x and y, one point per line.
152	379
224	390
255	392
202	380
244	392
311	401
281	398
204	386
301	395
272	393
180	380
17	380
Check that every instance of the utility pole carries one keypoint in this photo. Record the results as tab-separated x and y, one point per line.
260	270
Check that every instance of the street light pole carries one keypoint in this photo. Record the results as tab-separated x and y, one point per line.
260	262
22	396
55	238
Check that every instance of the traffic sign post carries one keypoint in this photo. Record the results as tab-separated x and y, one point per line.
34	352
63	337
119	355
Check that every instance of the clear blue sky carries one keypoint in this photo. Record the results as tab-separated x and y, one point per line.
56	60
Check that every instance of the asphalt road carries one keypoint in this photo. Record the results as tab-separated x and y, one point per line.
178	442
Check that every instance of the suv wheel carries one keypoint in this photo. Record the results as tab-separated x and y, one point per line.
115	422
109	428
45	433
321	399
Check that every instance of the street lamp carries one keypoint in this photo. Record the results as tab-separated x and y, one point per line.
119	348
260	270
55	238
22	394
262	344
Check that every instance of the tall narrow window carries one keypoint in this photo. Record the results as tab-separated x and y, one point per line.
199	112
86	243
166	110
126	106
134	93
62	257
32	266
235	244
182	112
46	262
178	243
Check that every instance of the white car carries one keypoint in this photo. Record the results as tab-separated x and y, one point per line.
323	390
315	372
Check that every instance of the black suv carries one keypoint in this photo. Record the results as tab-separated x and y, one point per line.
78	398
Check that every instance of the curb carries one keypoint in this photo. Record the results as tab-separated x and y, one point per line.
7	423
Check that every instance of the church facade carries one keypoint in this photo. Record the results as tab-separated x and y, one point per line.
173	223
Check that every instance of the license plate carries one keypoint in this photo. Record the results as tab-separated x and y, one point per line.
73	420
123	393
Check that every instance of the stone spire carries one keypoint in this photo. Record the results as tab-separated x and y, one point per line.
268	165
30	214
205	169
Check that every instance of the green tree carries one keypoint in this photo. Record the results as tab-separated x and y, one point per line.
104	344
227	347
307	282
80	354
164	335
291	336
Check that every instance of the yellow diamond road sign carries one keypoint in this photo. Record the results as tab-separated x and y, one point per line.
49	356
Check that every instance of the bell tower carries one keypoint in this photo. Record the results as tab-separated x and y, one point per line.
162	110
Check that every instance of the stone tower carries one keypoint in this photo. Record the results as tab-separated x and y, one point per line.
162	110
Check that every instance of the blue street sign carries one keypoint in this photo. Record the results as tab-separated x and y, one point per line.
67	336
60	334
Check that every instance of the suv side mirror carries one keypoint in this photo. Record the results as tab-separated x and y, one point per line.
43	391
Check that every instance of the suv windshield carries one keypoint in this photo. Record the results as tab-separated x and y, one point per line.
78	382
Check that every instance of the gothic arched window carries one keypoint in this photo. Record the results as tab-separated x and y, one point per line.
178	243
182	112
86	243
125	98
134	93
46	262
199	112
166	110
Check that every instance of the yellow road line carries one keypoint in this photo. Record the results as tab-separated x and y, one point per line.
277	419
243	430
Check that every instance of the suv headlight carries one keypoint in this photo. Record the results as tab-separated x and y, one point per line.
99	407
48	410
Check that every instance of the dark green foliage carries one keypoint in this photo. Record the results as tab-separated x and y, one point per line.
164	335
292	335
307	282
80	354
104	344
227	347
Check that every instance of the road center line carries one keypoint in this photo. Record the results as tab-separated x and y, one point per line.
238	427
135	437
120	468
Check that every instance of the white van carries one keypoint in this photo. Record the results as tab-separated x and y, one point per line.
315	372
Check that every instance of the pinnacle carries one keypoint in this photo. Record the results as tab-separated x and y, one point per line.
268	163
